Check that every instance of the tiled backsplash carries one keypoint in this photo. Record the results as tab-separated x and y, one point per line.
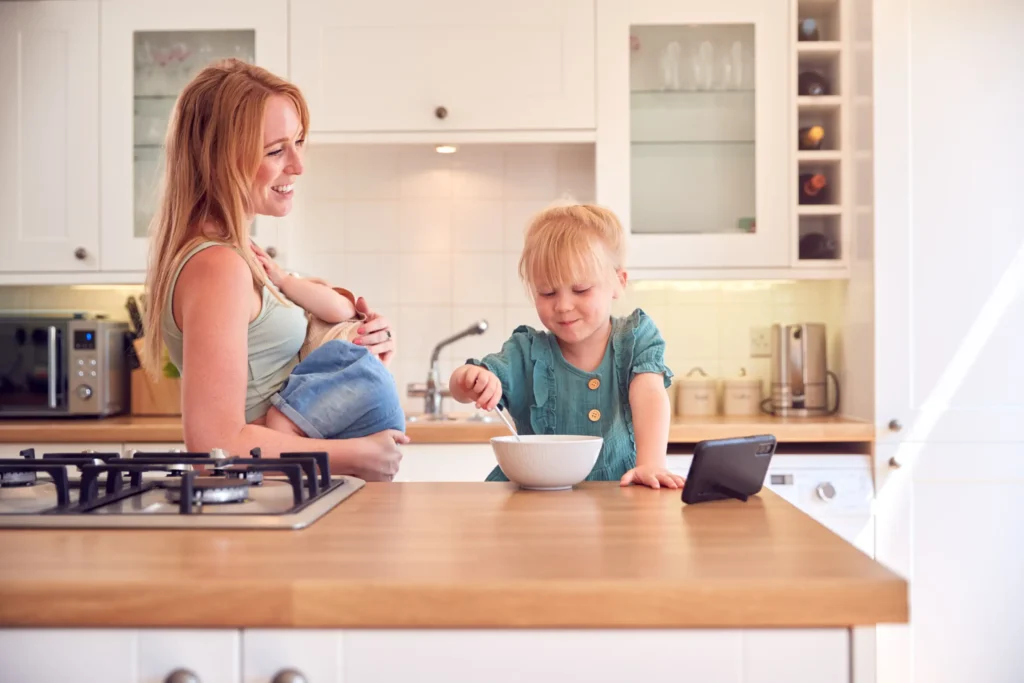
433	241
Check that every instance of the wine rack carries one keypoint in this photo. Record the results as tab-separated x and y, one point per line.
821	237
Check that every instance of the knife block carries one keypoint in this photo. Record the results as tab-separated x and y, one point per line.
153	396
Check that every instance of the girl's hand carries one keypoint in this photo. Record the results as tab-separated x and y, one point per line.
479	385
375	333
655	477
275	273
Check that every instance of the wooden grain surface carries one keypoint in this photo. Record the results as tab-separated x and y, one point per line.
462	555
168	429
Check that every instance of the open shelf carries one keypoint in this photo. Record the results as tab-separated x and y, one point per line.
819	209
822	102
820	240
819	155
819	47
637	143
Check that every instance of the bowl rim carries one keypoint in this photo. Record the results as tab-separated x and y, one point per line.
547	439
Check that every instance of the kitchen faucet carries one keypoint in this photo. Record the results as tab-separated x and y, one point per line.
433	391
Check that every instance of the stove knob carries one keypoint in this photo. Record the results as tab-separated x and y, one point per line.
826	491
182	676
84	392
288	676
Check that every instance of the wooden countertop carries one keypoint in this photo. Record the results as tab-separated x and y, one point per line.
462	555
684	430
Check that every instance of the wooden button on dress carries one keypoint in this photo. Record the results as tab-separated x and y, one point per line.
594	415
594	384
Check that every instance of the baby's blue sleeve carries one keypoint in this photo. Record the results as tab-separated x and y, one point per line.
648	348
512	367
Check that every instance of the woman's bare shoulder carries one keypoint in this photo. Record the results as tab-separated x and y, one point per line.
218	268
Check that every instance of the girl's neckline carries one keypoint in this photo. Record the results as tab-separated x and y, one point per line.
578	370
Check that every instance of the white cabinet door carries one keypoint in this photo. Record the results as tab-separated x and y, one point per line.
211	656
52	655
693	130
446	462
949	264
390	66
150	50
49	133
314	654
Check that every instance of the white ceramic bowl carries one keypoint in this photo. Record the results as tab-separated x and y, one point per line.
547	462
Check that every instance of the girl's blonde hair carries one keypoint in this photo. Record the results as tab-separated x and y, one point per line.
568	244
214	148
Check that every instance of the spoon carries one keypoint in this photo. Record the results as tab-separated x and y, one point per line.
508	423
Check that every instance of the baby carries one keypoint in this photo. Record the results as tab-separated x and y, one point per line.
339	390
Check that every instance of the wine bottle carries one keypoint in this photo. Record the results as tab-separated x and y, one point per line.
815	245
811	137
812	188
812	83
808	30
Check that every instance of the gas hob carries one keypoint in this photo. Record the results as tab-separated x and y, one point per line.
169	490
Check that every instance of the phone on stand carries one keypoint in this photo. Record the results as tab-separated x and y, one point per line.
728	468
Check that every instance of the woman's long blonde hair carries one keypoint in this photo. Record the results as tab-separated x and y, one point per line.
214	148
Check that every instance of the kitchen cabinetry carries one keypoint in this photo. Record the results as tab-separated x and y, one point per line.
457	65
446	462
149	52
693	118
49	117
949	404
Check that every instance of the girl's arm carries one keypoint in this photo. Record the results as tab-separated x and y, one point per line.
213	304
313	296
649	403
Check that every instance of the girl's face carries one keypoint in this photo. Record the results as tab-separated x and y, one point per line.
577	311
283	146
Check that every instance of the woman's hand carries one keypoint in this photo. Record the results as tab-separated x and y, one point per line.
375	333
655	477
472	383
378	456
275	273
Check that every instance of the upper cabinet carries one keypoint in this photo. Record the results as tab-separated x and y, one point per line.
694	130
49	117
150	49
451	65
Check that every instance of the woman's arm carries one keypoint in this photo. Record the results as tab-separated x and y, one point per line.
213	304
313	296
649	404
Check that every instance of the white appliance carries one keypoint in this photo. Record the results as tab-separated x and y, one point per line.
836	490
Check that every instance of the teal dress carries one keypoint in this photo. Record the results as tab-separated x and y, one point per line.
545	394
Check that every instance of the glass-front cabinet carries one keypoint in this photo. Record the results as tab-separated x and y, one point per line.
692	130
149	51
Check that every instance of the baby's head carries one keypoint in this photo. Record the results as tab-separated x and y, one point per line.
573	264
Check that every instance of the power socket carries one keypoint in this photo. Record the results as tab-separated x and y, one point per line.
760	342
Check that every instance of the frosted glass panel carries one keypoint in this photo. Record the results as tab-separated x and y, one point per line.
692	129
164	62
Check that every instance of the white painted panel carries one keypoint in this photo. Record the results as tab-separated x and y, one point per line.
57	655
214	656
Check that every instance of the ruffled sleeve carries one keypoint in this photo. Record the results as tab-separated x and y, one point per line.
648	348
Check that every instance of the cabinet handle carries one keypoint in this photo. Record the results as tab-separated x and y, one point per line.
895	425
288	676
894	463
441	113
182	676
271	252
81	253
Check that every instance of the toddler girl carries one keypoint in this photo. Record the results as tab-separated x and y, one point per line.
338	390
589	373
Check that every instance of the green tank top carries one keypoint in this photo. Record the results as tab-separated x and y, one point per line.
275	337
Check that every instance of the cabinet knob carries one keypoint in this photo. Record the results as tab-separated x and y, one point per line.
441	113
182	676
271	252
288	676
81	253
894	463
895	425
826	491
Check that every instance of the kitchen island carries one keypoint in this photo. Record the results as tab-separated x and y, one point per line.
635	583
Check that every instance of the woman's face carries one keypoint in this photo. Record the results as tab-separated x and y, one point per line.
283	146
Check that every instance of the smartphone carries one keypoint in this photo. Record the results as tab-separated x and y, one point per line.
728	468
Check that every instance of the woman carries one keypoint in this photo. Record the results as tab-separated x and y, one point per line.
234	150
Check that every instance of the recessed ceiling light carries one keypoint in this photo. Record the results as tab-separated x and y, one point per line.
446	149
